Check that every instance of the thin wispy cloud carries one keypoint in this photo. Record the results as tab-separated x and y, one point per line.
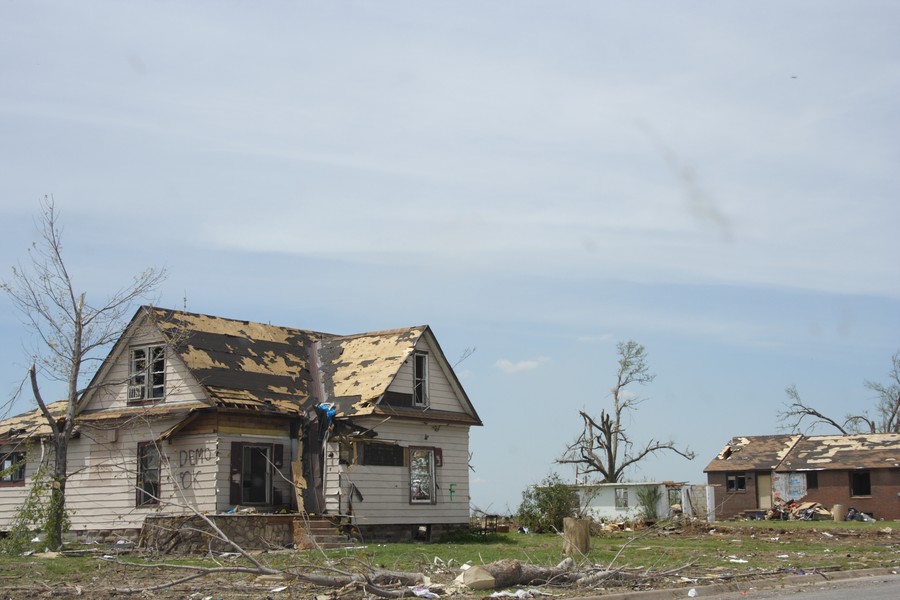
508	366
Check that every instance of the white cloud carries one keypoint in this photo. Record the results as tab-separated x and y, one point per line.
507	366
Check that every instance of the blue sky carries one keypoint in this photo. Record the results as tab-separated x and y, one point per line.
539	180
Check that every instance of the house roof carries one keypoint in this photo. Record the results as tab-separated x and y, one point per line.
753	453
273	369
866	451
30	424
803	453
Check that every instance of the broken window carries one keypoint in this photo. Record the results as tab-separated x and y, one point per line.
148	474
736	482
860	483
147	373
420	379
421	476
12	467
381	455
621	497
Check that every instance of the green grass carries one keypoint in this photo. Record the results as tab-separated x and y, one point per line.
715	550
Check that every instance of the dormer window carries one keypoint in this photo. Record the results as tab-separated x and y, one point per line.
420	379
147	374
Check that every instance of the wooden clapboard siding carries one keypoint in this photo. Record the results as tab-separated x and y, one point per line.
441	394
113	394
333	479
385	490
103	473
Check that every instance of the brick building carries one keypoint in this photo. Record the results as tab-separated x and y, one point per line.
752	473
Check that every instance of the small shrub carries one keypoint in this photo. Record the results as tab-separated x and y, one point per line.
545	506
648	500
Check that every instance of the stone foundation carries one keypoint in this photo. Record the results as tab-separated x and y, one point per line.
192	534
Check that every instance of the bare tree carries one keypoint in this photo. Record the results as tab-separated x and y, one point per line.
71	332
798	415
604	447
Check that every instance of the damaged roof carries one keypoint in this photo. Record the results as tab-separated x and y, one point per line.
805	453
247	365
753	453
30	424
865	451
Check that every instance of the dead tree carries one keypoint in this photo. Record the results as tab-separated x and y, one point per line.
71	331
604	447
799	416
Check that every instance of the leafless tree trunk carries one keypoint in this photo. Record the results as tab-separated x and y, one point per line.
603	447
798	415
70	332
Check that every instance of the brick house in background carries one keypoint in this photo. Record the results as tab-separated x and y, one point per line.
863	471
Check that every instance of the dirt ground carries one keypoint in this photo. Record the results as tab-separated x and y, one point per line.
45	581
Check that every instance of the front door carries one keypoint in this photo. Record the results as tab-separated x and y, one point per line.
764	490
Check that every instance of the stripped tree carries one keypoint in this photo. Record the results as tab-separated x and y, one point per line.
799	416
604	447
71	332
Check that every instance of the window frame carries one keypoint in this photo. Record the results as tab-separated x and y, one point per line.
16	476
276	496
420	379
740	482
855	477
621	500
812	480
144	372
144	497
419	494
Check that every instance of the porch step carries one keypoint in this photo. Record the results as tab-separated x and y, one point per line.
319	532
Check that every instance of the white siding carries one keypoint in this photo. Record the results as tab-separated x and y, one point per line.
12	496
180	385
103	472
441	394
385	490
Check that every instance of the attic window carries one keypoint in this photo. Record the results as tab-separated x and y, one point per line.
147	373
420	379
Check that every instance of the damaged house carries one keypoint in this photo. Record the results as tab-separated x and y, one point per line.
195	412
751	474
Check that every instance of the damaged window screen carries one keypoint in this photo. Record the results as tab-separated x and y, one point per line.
736	482
621	497
421	476
381	455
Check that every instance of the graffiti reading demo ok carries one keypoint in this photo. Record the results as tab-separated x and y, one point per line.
189	462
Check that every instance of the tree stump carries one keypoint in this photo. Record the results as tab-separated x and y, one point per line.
576	536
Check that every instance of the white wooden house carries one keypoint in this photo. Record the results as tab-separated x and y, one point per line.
191	411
